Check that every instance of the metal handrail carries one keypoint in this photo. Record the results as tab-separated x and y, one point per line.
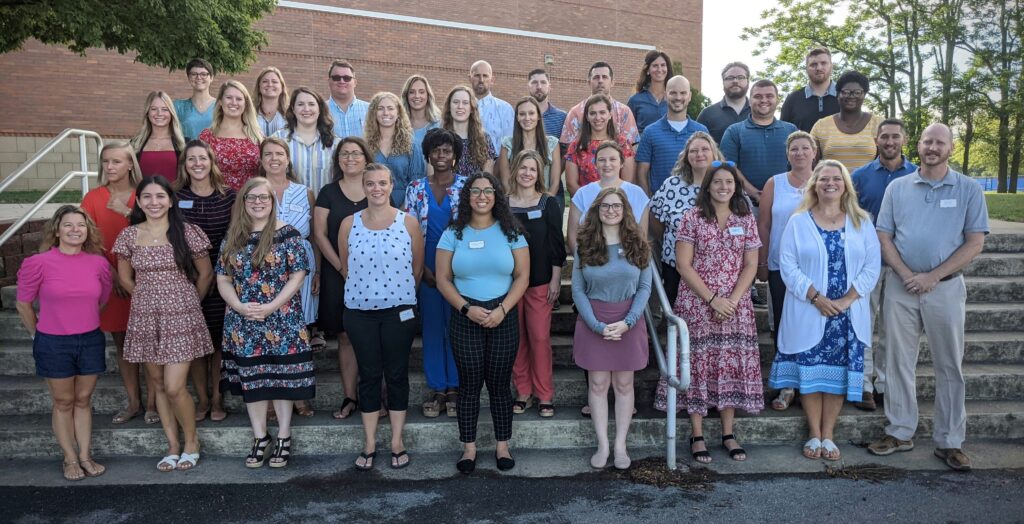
673	364
84	174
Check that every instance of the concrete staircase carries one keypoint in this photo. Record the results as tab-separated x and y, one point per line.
994	370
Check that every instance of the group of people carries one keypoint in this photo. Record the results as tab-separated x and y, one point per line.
234	234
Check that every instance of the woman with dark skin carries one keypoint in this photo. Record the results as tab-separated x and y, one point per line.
848	136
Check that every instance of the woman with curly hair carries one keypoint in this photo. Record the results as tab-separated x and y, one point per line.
483	269
390	137
462	116
611	282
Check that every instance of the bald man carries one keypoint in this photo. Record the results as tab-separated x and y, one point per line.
665	138
495	113
932	224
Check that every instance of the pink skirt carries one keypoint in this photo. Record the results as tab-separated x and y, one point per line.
592	352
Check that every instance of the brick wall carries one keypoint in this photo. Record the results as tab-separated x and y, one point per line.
18	248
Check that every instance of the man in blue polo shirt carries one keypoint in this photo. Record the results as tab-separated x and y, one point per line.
758	144
665	138
870	181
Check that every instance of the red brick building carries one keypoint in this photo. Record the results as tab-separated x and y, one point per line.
46	89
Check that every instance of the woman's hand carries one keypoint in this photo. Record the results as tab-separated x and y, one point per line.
723	307
257	311
428	277
827	307
554	289
120	291
762	273
115	205
478	314
315	287
615	330
494	318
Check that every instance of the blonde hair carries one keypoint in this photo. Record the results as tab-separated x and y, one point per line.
134	174
237	237
401	143
797	135
517	161
433	112
848	204
51	231
177	137
683	169
250	125
282	99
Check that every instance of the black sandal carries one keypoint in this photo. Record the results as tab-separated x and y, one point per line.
281	453
698	455
258	454
340	414
367	461
735	451
396	460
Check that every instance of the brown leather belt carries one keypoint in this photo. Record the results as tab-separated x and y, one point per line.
951	276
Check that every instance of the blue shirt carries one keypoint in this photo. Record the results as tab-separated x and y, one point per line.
192	120
554	119
646	109
719	116
348	123
660	146
497	117
870	181
482	261
404	169
759	151
419	134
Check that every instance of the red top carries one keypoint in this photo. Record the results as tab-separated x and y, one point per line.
114	318
586	160
163	163
237	158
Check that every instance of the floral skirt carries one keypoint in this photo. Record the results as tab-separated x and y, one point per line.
835	365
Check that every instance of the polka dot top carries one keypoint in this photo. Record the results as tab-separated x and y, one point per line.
379	266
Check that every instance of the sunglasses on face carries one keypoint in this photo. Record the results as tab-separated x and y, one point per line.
718	163
476	191
342	78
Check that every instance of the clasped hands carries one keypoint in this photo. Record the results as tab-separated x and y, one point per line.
830	308
488	318
920	283
255	311
723	308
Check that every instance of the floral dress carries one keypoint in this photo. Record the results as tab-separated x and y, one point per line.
585	161
466	167
269	359
725	365
836	364
237	158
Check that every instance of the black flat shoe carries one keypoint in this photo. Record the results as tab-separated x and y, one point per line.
466	466
505	463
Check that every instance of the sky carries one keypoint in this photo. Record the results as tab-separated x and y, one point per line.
723	23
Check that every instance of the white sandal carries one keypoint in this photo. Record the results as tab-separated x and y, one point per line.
814	445
191	459
171	460
830	447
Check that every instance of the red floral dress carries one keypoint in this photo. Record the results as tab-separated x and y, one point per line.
725	366
237	158
586	160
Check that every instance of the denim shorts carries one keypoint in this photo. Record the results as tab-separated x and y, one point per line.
65	356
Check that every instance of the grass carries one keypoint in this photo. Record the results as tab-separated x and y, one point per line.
1005	206
30	197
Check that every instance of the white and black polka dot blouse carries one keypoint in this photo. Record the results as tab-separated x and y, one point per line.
379	266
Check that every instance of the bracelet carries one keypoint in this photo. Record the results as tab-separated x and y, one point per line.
713	297
815	297
503	310
763	265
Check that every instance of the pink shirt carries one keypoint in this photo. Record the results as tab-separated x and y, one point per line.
70	289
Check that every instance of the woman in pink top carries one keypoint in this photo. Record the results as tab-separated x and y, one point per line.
72	280
235	134
160	139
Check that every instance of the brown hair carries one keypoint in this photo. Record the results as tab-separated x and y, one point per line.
237	236
51	231
290	173
592	249
185	179
477	139
737	202
586	132
541	142
644	81
282	99
522	156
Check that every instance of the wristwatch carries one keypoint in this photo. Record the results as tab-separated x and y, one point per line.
465	309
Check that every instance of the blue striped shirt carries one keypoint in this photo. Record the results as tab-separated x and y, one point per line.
312	162
273	125
294	210
554	119
348	123
497	117
660	146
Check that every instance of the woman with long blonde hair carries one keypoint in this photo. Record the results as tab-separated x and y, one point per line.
271	100
235	134
419	102
390	137
159	140
462	116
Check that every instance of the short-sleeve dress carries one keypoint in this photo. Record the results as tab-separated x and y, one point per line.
166	323
237	158
725	365
294	210
212	213
114	317
332	285
466	167
269	359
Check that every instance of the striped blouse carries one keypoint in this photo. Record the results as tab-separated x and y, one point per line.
273	125
294	210
312	163
852	150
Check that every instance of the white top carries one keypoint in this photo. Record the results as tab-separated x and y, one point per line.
784	202
804	261
379	266
586	195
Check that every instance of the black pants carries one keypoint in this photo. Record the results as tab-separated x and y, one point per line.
777	290
670	276
382	342
485	355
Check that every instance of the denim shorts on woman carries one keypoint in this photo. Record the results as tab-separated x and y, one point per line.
64	356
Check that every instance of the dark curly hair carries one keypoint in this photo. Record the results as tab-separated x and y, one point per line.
438	137
854	77
501	211
176	224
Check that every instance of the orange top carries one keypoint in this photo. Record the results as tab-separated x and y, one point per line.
114	317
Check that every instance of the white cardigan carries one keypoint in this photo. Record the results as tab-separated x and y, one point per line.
803	261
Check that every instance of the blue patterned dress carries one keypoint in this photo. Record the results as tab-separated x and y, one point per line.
269	359
836	364
294	210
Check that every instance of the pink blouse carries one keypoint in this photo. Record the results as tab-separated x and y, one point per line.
70	289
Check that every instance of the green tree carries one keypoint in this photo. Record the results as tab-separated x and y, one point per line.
163	33
697	103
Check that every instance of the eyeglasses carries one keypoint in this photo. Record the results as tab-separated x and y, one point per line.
342	78
476	191
610	207
718	163
351	154
204	74
737	78
252	199
852	93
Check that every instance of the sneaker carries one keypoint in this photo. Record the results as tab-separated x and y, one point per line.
889	445
867	402
955	458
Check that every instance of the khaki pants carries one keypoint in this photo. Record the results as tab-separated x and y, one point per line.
874	356
941	314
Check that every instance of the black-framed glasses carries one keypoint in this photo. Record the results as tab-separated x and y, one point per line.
853	93
351	154
476	191
203	74
252	199
610	207
718	163
342	78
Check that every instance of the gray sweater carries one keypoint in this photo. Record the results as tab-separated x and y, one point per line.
616	281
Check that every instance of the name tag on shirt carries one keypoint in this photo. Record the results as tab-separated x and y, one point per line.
735	230
621	252
406	315
296	208
532	215
185	204
947	202
476	244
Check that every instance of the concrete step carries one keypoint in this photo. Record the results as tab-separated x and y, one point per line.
27	395
996	265
1004	242
31	436
1004	316
994	289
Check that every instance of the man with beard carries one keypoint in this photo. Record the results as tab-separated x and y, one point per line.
818	99
663	140
495	114
734	107
601	79
931	224
540	87
870	181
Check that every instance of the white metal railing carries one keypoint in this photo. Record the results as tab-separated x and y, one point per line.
83	174
674	364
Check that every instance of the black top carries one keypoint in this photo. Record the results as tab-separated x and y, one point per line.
803	111
339	207
543	225
211	213
719	116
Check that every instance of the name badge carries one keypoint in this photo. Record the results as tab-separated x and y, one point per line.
621	252
735	230
407	315
476	244
296	208
185	204
947	202
533	215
